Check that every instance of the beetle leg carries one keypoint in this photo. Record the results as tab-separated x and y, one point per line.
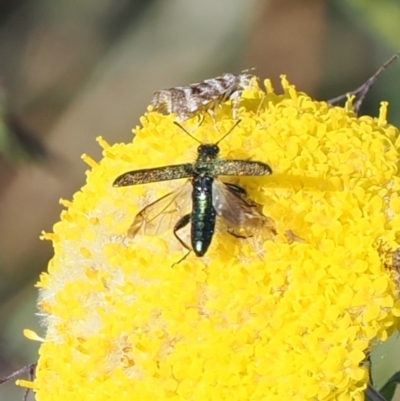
183	222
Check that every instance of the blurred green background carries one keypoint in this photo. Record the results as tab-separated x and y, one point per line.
73	70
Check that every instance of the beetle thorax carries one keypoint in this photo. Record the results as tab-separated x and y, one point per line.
206	157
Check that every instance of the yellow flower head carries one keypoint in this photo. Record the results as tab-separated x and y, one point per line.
287	314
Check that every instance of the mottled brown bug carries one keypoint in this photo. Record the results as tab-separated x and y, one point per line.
187	101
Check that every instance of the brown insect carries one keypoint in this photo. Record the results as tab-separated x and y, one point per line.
187	101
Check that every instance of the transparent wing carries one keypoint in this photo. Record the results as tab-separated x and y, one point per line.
164	213
242	215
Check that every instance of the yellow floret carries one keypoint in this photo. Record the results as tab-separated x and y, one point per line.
284	317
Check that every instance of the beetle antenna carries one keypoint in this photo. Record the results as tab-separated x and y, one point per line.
234	126
186	131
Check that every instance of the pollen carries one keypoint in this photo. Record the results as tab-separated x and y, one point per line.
287	313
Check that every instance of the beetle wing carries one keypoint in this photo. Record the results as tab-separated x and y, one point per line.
162	214
157	174
242	215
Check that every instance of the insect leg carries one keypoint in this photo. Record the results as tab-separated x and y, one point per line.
211	112
236	189
234	234
200	118
181	259
183	222
235	105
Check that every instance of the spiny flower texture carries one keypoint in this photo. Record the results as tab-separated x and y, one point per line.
284	317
